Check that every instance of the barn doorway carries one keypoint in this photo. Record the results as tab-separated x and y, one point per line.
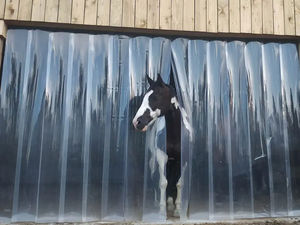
69	152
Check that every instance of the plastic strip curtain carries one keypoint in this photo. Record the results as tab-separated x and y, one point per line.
68	149
242	101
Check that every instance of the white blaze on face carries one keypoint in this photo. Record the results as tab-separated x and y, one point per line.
154	114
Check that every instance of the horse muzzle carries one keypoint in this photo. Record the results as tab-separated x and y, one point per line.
139	126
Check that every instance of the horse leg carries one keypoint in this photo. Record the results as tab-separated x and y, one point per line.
162	160
178	198
173	175
178	183
171	187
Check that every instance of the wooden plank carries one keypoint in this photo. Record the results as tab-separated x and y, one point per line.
141	14
51	13
200	15
177	15
267	7
223	17
246	16
103	12
2	8
189	15
278	17
128	13
116	13
38	10
212	15
289	17
64	11
256	16
11	9
234	16
153	14
77	11
165	14
90	12
297	17
25	10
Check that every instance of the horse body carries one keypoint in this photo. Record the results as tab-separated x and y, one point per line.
160	100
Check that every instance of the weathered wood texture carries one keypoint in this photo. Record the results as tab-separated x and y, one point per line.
277	17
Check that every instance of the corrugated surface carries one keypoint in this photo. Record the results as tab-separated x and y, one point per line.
70	153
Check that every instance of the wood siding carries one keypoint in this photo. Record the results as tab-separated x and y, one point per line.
275	17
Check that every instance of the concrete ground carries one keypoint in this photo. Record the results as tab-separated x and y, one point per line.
262	221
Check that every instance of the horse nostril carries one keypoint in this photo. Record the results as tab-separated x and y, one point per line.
138	122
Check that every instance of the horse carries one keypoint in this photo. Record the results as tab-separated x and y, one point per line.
160	100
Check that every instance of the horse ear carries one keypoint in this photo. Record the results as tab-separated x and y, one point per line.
150	81
160	80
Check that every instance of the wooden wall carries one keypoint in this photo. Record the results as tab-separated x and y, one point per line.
278	17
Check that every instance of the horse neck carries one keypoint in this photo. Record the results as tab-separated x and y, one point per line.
173	125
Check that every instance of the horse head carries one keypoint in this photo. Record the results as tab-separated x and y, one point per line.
158	100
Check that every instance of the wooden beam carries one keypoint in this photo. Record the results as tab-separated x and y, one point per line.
64	27
3	29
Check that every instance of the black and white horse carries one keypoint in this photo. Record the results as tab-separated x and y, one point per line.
160	100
